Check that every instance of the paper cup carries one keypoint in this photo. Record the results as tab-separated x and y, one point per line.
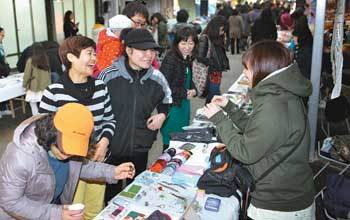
76	207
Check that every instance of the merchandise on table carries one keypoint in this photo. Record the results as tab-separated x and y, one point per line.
174	196
162	161
176	162
147	193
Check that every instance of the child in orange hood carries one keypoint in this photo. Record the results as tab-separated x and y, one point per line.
109	45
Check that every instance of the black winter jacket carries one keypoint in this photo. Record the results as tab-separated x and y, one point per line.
263	30
217	60
174	69
134	96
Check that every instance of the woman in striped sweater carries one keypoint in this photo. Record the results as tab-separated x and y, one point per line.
76	85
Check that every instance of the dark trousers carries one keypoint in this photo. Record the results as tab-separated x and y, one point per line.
139	159
234	42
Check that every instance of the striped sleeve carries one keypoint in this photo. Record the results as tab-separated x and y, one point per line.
107	74
109	122
48	103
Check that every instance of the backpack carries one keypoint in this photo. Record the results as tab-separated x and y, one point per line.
225	176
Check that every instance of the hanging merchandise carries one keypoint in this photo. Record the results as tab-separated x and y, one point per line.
337	48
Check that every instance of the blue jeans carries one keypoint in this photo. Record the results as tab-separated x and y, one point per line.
214	89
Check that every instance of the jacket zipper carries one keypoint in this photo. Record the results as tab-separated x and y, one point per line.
134	114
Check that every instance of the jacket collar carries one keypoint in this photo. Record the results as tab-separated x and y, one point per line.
121	69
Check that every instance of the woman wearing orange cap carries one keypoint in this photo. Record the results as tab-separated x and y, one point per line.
37	175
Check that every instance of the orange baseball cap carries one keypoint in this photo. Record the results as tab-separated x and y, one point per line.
75	122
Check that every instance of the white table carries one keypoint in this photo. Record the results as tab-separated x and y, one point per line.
10	88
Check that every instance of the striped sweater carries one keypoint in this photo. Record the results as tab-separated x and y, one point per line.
60	93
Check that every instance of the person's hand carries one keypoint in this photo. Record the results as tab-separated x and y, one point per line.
210	109
220	100
71	214
124	170
101	150
156	121
191	93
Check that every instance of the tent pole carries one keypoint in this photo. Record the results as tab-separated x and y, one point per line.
317	51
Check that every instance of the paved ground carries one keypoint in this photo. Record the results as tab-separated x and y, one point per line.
7	124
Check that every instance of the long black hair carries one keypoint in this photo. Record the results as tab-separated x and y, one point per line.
213	30
39	57
302	31
159	17
67	16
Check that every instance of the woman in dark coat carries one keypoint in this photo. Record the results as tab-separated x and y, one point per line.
303	40
264	28
211	52
70	28
177	68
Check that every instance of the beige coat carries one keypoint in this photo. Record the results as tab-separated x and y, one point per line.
236	26
35	79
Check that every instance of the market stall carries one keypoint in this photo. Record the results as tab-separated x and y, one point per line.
174	192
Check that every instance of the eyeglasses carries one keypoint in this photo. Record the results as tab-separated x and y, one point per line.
139	23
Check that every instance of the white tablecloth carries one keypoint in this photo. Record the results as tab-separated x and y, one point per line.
11	87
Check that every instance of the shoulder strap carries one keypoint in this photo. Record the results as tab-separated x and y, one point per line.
209	45
290	152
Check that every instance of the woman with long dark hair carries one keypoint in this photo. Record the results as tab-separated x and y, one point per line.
177	68
273	142
264	28
36	76
211	52
70	28
303	40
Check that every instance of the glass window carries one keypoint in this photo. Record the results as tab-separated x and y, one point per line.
6	14
39	20
80	15
24	24
90	16
59	15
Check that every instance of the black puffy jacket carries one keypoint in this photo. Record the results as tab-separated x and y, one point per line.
174	69
217	60
134	96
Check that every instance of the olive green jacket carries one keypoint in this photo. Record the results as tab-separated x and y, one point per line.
35	79
260	140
